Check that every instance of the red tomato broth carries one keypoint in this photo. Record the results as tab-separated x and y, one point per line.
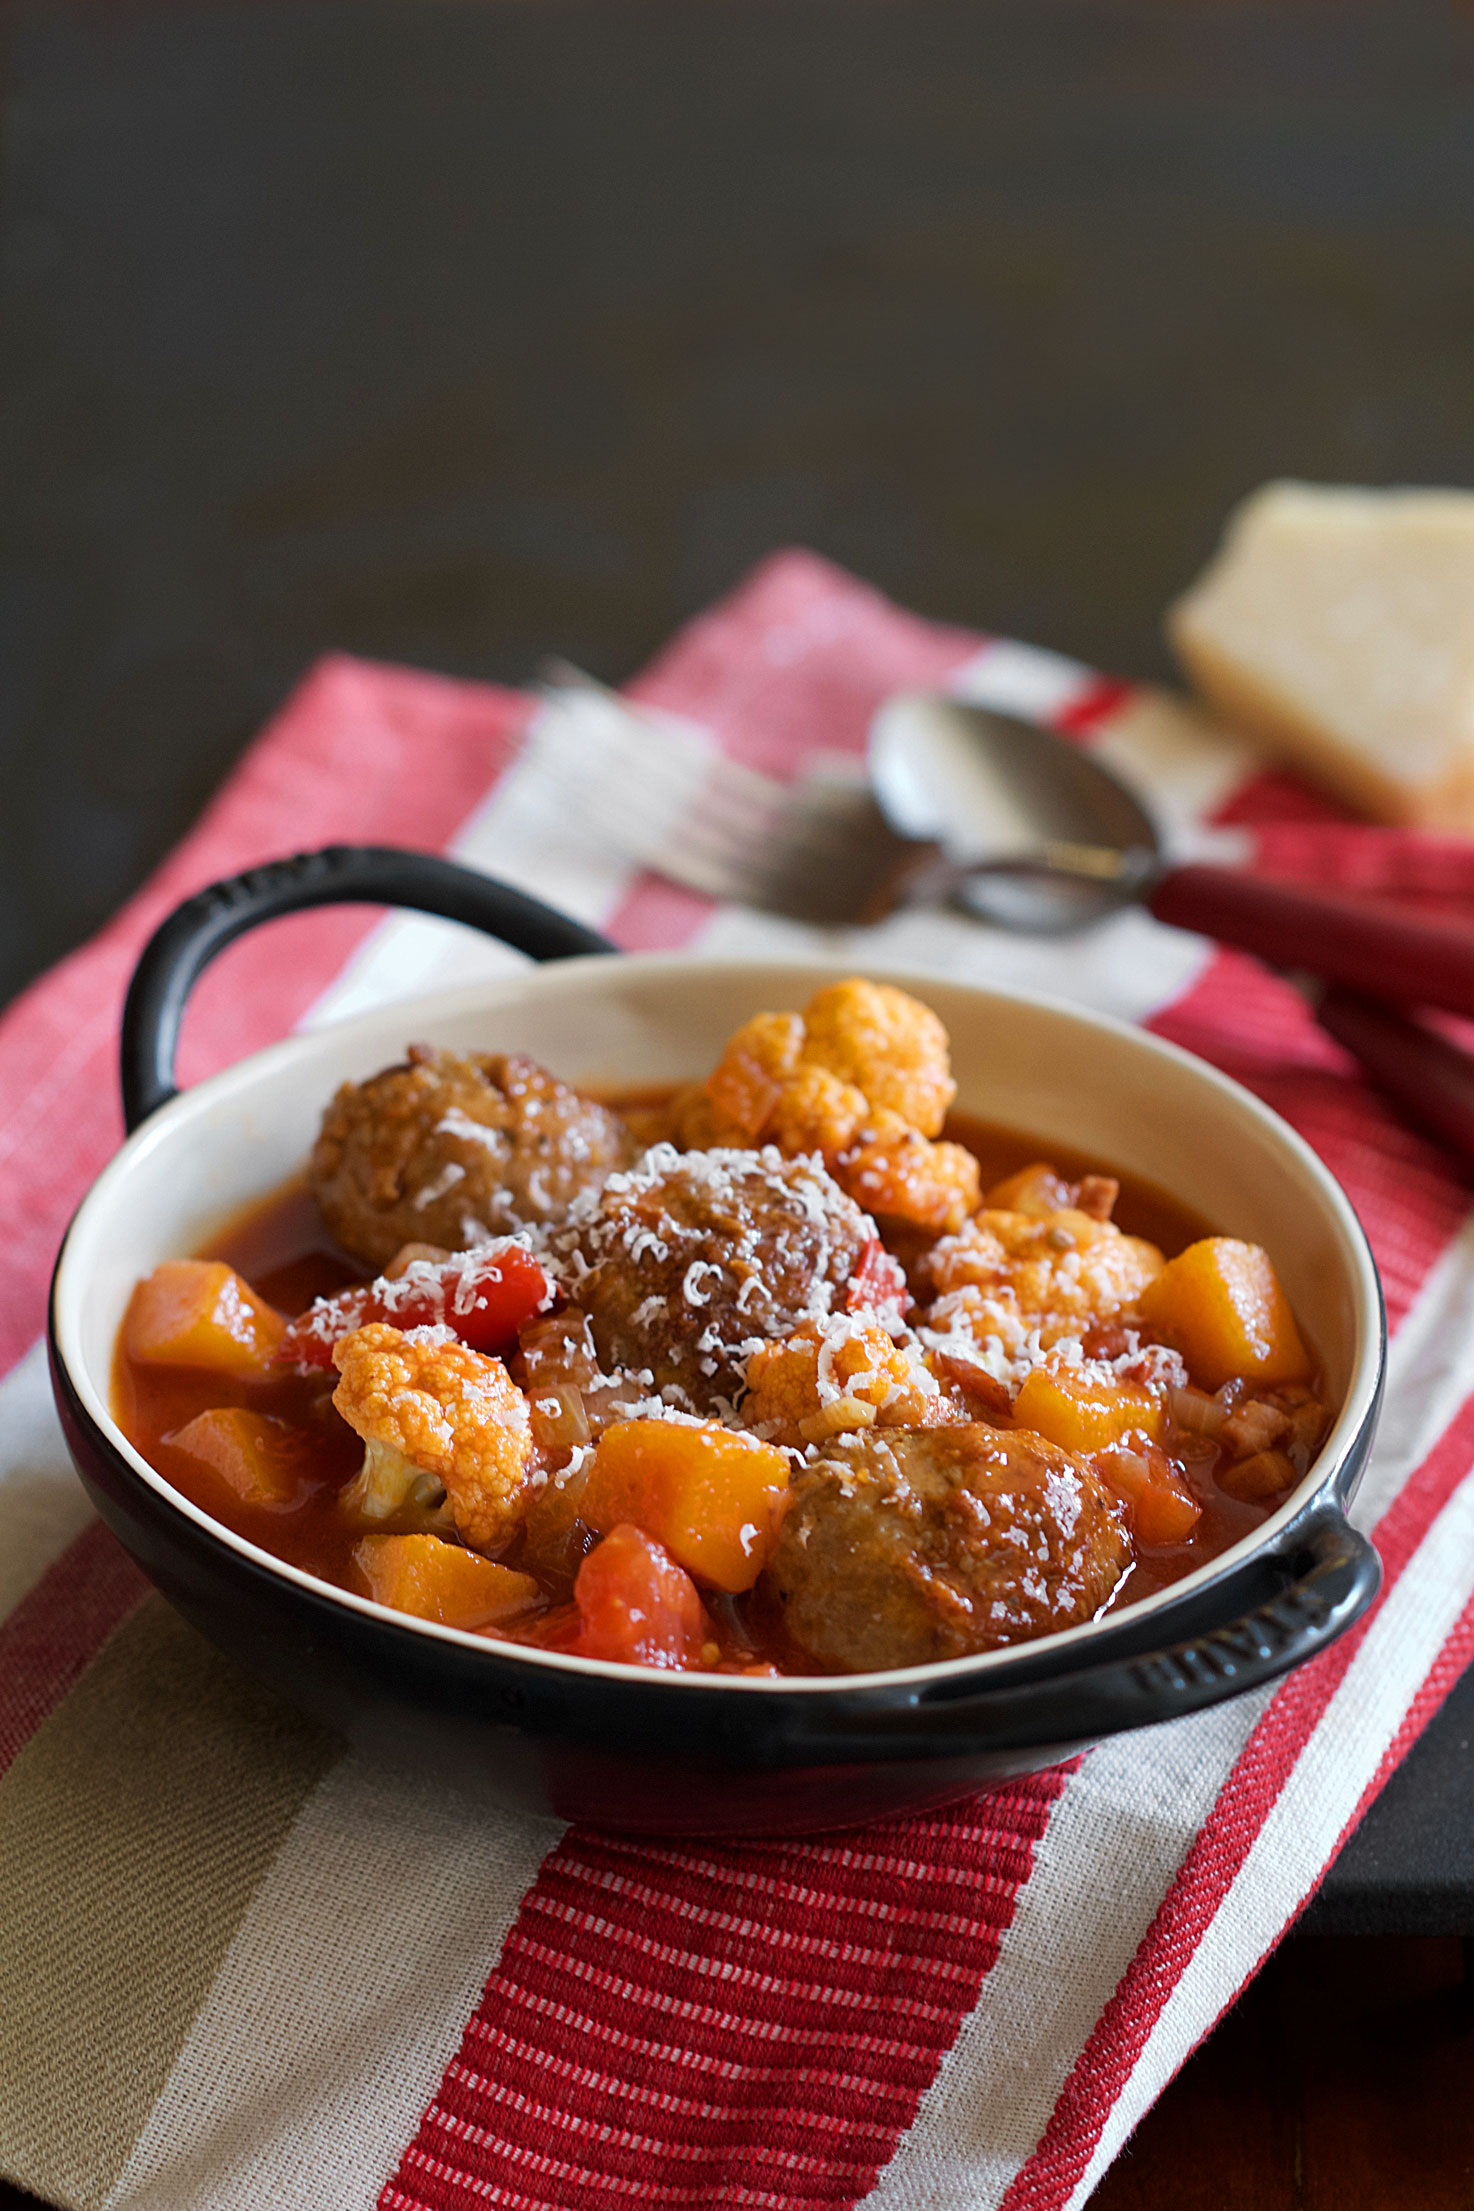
282	1249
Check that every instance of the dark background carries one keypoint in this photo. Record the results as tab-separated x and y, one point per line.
457	332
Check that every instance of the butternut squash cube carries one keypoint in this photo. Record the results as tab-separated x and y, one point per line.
264	1461
436	1580
1220	1302
1066	1408
709	1495
199	1313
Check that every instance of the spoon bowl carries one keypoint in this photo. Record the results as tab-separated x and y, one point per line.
1033	833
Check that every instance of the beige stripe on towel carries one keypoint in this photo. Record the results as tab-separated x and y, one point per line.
134	1829
340	2001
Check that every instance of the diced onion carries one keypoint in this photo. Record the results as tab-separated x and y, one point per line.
1196	1413
1307	1424
559	1419
617	1397
556	1350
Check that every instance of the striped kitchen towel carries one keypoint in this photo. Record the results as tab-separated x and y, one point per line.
239	1967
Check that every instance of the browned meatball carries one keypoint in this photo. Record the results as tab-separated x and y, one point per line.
697	1257
450	1149
918	1544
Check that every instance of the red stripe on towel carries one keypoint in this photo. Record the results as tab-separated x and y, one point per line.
1102	697
723	2024
797	660
58	1628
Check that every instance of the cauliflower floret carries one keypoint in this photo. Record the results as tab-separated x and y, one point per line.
388	1486
861	1077
816	1112
833	1377
1007	1274
735	1103
891	1170
446	1410
888	1044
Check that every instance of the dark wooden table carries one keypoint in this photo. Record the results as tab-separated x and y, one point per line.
458	332
1340	2082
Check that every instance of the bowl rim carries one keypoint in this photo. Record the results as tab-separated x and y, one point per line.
568	975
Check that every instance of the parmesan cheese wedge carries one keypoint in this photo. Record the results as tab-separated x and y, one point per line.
1337	626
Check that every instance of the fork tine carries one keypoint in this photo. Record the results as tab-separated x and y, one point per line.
792	879
757	868
823	850
827	830
818	850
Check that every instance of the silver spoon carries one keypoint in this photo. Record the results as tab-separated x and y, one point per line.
1035	834
1029	831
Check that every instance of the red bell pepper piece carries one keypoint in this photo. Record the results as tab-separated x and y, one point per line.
482	1296
878	1282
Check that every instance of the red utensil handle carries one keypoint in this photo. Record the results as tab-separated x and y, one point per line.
1369	944
1431	1078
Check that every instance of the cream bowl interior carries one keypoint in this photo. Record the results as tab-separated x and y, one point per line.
1030	1064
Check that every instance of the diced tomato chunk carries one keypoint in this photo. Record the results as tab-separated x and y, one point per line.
710	1496
437	1580
1159	1505
199	1313
483	1297
263	1460
635	1605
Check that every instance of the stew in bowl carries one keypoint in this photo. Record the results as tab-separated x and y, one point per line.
775	1375
657	1395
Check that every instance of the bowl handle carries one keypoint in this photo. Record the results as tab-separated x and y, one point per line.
378	875
1321	1574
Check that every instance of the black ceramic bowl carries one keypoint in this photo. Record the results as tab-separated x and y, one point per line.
693	1754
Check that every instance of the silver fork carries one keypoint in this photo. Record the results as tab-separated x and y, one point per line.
818	849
